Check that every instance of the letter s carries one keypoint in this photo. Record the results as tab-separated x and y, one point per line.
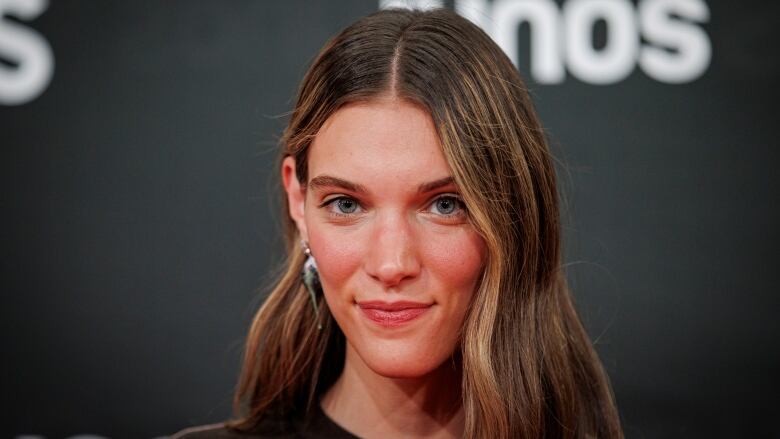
693	50
26	48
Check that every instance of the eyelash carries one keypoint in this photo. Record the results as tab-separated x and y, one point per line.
329	204
460	207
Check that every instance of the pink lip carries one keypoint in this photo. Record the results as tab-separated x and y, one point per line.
393	314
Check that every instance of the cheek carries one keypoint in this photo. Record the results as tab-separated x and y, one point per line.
338	256
456	260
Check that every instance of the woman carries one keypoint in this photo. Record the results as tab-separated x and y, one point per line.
423	294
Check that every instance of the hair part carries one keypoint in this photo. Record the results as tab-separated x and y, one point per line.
529	368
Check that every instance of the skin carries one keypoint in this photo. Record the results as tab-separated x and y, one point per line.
378	233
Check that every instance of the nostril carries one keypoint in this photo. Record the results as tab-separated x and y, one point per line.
391	271
391	276
392	257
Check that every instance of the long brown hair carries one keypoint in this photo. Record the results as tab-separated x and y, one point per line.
529	369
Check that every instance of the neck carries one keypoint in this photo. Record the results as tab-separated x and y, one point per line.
370	405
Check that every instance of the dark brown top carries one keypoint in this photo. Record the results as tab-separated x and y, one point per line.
317	426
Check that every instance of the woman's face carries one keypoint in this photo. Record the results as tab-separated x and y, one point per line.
397	256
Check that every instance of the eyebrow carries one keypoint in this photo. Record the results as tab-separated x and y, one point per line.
321	181
435	184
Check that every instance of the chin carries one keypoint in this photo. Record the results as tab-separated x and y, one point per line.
401	371
397	362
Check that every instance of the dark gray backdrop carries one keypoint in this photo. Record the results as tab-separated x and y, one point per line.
138	216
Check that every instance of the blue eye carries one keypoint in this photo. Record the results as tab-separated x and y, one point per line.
346	205
341	206
447	205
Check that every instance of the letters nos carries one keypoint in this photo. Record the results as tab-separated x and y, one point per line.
663	37
675	50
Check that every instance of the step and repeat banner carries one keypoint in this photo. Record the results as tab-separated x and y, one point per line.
140	222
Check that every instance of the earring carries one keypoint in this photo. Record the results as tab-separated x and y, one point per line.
311	280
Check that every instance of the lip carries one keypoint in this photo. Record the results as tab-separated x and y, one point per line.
393	314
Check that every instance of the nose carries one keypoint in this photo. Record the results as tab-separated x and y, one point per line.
392	254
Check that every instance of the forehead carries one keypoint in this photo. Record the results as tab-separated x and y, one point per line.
382	140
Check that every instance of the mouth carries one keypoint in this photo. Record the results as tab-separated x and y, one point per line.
393	314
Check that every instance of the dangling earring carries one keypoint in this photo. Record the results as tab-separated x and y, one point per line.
311	279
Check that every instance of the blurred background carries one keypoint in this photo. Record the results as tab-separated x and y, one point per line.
140	227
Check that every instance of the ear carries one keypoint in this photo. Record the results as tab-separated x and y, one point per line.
296	196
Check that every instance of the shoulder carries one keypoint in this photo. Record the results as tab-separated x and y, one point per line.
267	430
314	425
203	431
220	431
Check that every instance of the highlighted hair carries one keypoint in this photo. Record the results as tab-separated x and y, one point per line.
529	368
